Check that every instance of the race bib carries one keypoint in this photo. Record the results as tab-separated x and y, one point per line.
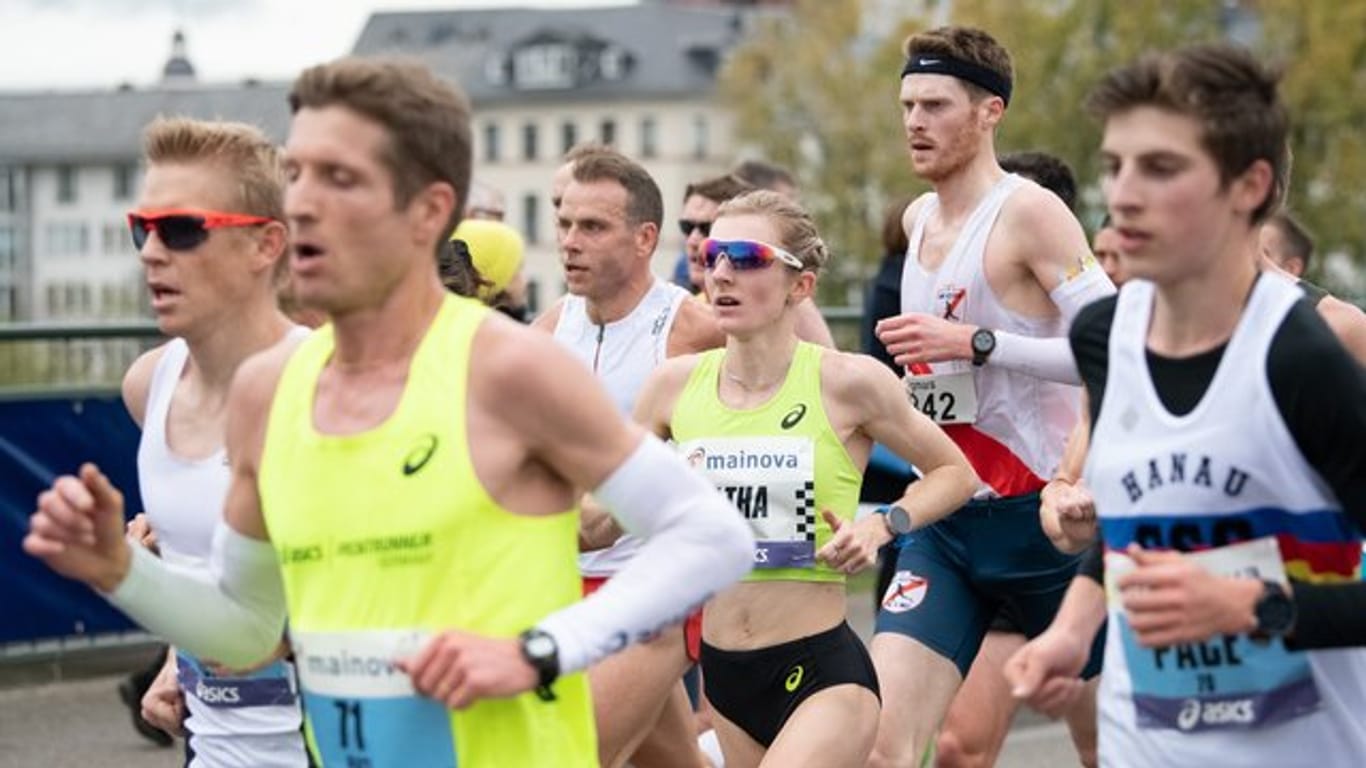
270	686
1227	682
362	708
946	398
772	483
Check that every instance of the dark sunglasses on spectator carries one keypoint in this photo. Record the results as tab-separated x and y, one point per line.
688	225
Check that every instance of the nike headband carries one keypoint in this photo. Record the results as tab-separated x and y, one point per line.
937	64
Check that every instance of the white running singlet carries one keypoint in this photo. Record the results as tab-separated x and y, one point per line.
1011	426
245	721
621	354
1226	482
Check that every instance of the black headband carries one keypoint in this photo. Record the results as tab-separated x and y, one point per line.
938	64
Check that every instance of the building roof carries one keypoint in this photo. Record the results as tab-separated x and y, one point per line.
93	126
519	55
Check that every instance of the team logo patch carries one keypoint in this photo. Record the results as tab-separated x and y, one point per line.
906	591
951	298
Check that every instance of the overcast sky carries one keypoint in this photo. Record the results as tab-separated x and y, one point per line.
76	44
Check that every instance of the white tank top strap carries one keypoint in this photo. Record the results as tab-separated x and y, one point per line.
161	390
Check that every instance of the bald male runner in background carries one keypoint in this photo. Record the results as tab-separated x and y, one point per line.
479	435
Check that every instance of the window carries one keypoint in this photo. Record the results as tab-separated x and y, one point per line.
649	137
491	148
66	184
67	238
7	249
607	132
114	239
546	66
8	199
109	299
531	217
54	294
569	136
699	137
124	178
529	137
9	300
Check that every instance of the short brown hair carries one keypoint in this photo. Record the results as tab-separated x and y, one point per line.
796	229
968	44
718	189
237	148
1048	171
1227	91
584	149
427	120
644	204
1297	238
763	175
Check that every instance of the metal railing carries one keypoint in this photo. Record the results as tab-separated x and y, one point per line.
62	359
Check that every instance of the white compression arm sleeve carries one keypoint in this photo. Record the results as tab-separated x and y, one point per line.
234	613
1043	358
1051	358
695	545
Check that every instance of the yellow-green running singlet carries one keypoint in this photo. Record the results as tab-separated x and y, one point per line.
780	464
386	537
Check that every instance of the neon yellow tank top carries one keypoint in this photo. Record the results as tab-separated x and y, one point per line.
780	464
386	537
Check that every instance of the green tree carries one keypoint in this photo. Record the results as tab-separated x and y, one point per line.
817	91
1322	48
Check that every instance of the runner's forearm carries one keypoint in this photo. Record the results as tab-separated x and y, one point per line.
695	546
233	613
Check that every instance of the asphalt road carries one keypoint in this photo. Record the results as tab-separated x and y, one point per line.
68	714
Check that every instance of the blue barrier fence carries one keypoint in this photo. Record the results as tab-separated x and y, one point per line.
40	439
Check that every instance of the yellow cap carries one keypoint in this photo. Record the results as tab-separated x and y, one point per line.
496	250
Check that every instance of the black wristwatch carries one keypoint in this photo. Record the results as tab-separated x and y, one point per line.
983	344
543	654
1275	612
897	518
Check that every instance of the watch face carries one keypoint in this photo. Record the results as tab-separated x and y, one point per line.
540	646
1275	614
899	520
983	341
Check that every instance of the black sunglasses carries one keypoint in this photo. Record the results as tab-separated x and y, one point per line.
686	226
185	229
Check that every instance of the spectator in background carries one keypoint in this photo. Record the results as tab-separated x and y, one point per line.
758	173
1287	243
883	298
1105	245
486	202
1048	171
484	258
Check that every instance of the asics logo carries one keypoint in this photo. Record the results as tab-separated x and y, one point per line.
421	453
793	416
794	678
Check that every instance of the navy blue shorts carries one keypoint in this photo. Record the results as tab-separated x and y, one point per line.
954	577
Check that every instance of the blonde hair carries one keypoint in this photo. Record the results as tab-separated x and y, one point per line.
796	230
239	149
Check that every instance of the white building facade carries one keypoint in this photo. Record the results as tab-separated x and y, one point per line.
641	78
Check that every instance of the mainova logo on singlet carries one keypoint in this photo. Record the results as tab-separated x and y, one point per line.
771	482
362	707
